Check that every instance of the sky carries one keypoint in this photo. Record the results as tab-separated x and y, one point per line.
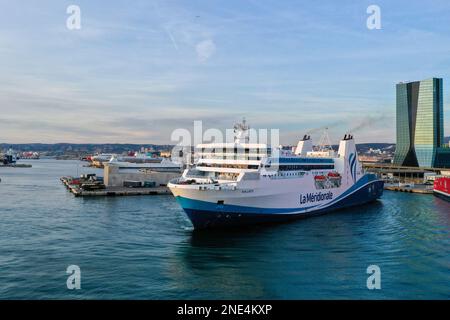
137	70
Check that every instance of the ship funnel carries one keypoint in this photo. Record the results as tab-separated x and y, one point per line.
348	137
347	152
304	146
347	146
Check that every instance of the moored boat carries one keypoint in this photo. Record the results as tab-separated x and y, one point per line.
159	164
441	187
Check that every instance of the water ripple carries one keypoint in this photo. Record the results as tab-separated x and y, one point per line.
145	248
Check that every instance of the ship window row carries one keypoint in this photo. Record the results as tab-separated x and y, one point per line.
303	167
231	157
304	160
285	175
230	166
265	151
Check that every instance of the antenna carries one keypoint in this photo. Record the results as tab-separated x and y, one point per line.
324	142
241	132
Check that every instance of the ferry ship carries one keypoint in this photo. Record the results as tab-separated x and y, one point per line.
136	157
241	183
158	164
442	187
10	158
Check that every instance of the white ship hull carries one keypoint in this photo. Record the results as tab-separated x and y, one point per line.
284	200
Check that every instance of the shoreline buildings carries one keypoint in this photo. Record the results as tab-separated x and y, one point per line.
420	125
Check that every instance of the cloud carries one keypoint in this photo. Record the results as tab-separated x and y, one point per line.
205	49
133	73
147	128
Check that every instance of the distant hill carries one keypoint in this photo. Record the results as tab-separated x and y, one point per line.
61	148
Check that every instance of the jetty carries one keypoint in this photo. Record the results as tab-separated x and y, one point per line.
15	165
420	188
78	189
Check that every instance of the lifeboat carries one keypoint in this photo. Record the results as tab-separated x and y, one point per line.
320	178
334	175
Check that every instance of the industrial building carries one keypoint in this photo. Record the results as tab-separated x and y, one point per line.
115	176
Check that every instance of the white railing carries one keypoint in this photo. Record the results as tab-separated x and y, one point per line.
285	176
233	157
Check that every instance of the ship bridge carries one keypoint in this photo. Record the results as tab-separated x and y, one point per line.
299	164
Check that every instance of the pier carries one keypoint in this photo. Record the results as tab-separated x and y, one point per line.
15	165
402	172
119	181
421	188
402	178
77	191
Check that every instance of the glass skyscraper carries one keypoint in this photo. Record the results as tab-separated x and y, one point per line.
420	125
